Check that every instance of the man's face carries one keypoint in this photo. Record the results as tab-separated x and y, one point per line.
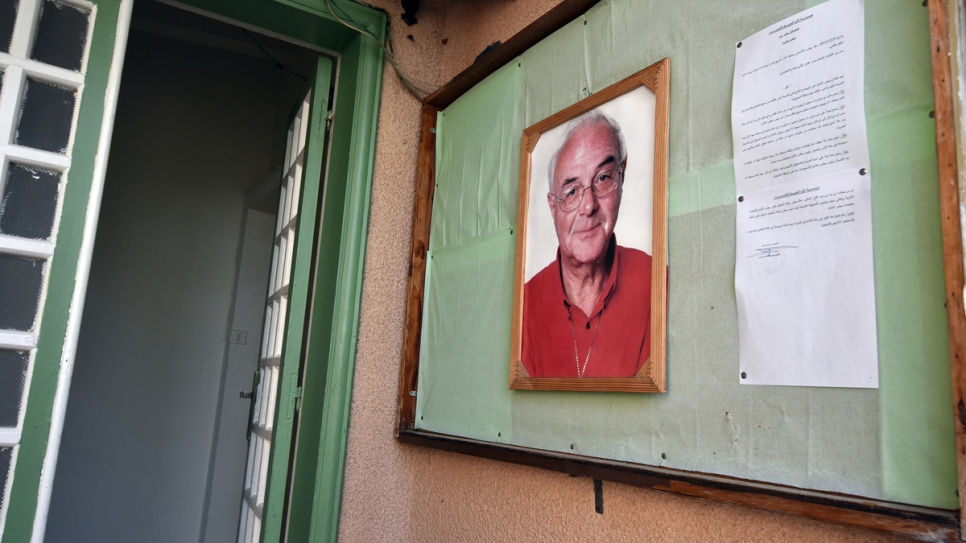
584	232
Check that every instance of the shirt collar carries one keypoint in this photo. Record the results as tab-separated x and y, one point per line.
609	285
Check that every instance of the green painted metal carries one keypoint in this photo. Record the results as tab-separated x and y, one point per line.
273	517
353	137
317	478
61	279
331	357
288	17
313	376
362	17
327	383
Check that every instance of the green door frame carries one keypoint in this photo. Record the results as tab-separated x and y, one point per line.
331	345
299	293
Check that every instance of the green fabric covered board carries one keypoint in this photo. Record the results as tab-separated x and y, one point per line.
893	443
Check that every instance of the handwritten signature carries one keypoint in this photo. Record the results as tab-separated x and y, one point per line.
771	250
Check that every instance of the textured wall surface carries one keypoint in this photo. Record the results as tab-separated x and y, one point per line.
397	492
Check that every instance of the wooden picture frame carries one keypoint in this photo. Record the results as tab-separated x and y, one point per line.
625	108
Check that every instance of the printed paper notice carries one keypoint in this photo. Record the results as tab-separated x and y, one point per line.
803	271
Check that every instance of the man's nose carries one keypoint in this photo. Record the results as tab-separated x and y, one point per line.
588	201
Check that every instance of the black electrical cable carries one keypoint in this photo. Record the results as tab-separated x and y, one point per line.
270	57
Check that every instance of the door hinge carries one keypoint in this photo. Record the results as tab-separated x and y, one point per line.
298	399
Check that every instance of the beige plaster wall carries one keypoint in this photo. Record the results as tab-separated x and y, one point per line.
397	493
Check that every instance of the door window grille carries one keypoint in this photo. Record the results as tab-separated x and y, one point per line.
43	56
266	399
8	16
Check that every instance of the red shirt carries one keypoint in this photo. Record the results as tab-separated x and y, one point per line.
621	321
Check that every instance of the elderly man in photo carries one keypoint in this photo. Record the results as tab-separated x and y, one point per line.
588	313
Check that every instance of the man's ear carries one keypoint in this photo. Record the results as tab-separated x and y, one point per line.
551	199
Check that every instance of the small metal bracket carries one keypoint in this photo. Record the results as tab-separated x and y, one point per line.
412	392
599	496
432	130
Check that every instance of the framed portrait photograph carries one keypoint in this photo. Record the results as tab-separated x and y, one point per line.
590	292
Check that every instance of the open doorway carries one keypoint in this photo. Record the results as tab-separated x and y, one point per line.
154	440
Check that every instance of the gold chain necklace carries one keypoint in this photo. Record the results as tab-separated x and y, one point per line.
573	330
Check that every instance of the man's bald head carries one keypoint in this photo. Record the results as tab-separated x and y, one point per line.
587	120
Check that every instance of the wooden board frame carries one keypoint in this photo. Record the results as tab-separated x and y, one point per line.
911	521
651	377
949	207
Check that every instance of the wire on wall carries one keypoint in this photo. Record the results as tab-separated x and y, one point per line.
419	89
268	55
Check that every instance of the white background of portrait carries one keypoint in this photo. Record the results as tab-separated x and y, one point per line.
634	113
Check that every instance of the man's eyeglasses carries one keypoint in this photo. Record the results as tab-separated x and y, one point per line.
605	183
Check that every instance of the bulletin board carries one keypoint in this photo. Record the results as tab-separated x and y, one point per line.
895	444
